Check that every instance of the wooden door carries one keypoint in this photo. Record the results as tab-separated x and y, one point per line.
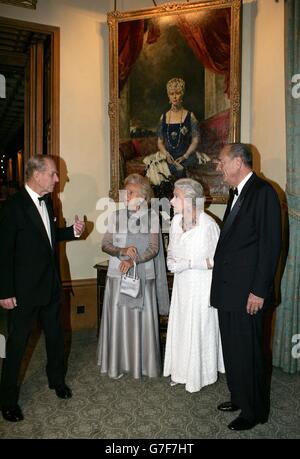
35	48
33	110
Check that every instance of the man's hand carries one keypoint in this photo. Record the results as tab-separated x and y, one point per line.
254	304
78	226
9	303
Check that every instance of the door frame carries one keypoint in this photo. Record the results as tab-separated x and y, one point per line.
54	33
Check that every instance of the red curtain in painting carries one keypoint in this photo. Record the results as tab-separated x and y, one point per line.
208	35
130	40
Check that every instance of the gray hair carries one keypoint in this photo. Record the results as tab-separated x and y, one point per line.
192	190
36	163
146	191
243	151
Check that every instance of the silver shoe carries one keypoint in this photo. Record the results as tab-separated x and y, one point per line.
119	376
173	383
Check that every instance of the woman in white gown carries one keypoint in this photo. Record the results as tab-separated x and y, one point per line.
193	348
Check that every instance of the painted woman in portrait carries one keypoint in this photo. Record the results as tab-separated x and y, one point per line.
179	132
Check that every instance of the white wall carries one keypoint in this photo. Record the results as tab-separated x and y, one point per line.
268	101
85	91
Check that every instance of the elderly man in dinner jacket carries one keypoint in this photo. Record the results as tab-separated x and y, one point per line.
242	284
30	286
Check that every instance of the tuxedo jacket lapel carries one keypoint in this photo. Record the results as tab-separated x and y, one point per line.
35	217
227	211
52	220
231	216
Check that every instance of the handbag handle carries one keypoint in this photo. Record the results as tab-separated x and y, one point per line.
134	269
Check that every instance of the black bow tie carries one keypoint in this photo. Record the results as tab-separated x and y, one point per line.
43	198
235	191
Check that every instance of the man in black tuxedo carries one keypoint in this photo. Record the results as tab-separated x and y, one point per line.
30	286
245	263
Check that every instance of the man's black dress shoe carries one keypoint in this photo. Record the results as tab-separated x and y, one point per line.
13	414
228	406
62	391
241	423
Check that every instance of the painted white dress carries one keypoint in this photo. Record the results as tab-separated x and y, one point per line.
193	353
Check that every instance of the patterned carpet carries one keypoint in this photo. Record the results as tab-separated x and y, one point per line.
127	408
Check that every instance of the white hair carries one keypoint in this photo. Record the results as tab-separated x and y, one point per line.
192	190
144	184
36	163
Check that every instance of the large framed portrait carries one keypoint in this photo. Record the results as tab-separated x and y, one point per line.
174	93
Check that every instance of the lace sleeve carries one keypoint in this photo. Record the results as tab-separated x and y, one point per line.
108	246
151	251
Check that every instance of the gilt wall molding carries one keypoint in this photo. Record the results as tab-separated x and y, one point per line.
24	3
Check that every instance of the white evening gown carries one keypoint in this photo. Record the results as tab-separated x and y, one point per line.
193	353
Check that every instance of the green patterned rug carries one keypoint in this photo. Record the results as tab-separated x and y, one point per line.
128	408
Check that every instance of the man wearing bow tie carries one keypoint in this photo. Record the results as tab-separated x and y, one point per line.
30	286
245	263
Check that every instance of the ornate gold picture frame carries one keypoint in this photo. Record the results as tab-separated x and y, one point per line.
198	43
23	3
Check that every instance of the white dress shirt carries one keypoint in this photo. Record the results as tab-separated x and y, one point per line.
240	187
42	209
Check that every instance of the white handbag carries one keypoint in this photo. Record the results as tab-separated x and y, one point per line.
130	285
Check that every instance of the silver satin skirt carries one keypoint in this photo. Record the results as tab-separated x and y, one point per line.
129	338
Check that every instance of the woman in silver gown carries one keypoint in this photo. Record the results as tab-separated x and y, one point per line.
129	332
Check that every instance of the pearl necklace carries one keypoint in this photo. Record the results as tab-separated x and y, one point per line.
168	134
